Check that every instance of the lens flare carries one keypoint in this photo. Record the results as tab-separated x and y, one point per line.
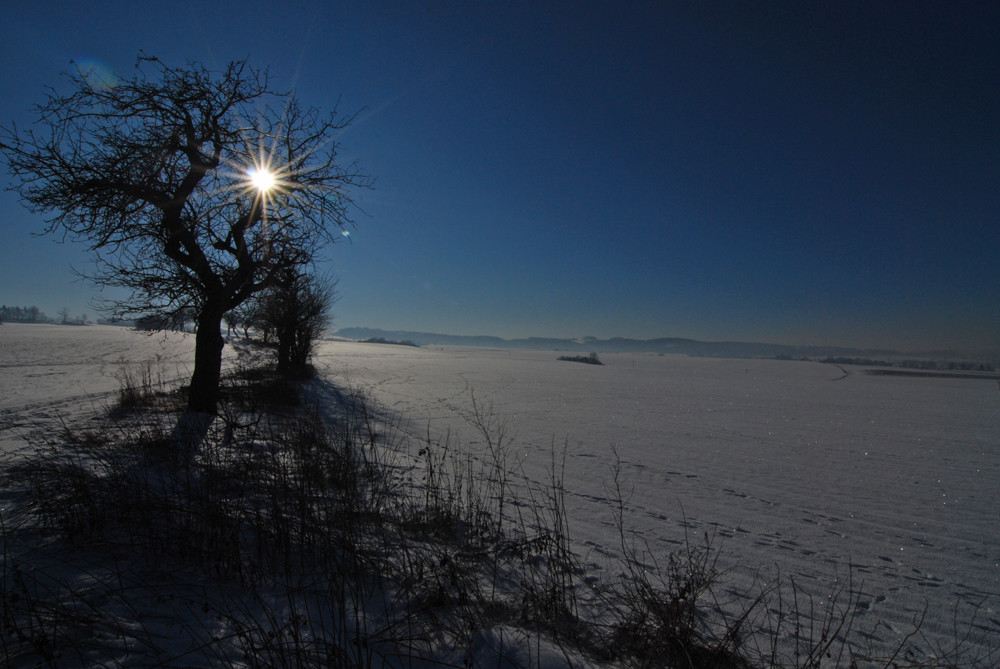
98	76
271	181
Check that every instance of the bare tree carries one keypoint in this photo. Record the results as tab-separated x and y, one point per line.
245	316
192	188
297	309
232	318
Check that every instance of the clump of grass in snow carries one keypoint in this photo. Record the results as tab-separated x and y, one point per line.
139	383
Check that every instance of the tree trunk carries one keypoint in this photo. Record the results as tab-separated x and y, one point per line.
286	336
204	394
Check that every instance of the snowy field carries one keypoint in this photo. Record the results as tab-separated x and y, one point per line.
49	373
792	467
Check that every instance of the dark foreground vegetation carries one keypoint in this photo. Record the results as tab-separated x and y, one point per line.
299	527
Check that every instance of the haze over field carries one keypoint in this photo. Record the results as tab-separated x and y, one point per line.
798	173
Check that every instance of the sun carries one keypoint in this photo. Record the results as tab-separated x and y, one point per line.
257	172
261	178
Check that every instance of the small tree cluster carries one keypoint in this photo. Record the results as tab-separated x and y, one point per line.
591	359
176	321
66	319
296	311
291	315
30	314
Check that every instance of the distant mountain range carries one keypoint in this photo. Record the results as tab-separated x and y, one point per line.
712	349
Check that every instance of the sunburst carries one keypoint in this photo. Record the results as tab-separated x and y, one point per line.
259	171
262	179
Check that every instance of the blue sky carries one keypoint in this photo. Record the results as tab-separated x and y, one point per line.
814	173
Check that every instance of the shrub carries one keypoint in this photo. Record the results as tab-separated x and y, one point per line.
139	384
591	359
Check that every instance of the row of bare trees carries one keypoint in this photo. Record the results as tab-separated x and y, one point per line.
193	189
30	314
33	314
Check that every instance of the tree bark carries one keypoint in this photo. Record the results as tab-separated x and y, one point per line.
208	343
286	336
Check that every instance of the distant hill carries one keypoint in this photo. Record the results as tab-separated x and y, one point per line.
691	347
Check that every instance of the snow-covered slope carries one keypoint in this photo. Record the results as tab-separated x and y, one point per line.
792	467
52	372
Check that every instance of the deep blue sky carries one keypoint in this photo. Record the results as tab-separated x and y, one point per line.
815	173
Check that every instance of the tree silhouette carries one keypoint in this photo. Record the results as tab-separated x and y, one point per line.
193	189
296	309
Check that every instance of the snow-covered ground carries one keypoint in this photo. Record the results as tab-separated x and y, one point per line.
792	467
53	372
